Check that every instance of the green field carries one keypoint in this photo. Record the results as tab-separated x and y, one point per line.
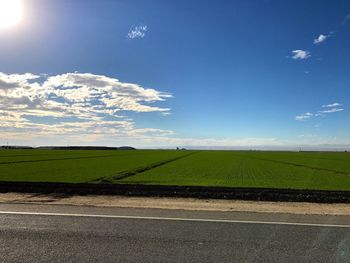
298	170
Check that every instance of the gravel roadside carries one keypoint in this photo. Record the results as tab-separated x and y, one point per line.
178	203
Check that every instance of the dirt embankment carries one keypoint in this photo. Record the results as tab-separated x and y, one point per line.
177	203
252	194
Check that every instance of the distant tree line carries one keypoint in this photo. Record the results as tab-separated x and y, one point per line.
68	147
15	147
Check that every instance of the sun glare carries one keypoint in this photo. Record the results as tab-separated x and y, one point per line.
10	13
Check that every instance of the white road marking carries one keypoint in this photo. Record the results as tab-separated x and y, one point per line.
176	219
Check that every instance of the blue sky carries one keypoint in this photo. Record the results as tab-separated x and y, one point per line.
203	73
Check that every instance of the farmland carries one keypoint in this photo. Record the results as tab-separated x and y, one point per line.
296	170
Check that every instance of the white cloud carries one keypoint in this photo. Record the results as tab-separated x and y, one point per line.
320	38
304	116
74	104
300	54
335	104
137	32
331	110
104	92
328	108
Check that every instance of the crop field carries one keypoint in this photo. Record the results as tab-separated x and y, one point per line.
295	170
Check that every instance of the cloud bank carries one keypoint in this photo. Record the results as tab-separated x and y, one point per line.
74	105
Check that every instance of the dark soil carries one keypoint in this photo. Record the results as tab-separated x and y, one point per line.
256	194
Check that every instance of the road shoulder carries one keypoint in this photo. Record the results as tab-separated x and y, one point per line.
192	204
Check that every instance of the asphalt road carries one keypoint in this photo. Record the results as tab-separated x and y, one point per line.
49	233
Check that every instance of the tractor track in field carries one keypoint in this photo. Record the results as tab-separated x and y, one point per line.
125	174
299	165
62	159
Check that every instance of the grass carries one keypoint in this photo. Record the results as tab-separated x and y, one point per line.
74	166
297	170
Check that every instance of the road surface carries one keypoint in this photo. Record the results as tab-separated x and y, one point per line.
54	233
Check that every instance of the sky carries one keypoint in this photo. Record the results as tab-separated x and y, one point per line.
162	74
